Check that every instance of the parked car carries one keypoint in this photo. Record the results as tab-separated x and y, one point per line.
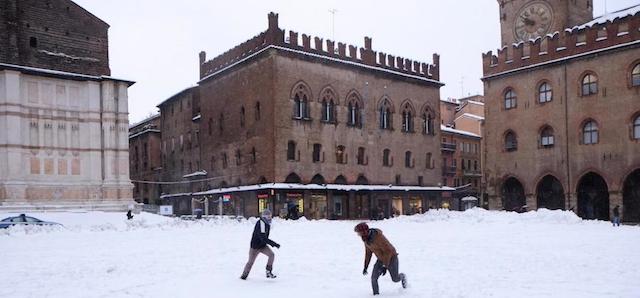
25	220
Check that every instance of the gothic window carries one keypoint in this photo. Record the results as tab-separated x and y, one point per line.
407	118
589	84
386	158
590	133
385	115
340	155
510	99
510	141
354	104
545	93
635	76
301	102
546	137
328	106
428	127
291	150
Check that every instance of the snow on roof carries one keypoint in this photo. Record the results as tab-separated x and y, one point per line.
618	46
469	199
196	174
143	132
469	115
610	17
359	64
63	73
144	120
296	186
175	95
457	131
476	102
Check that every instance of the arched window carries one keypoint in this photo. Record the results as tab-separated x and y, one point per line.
635	76
340	155
386	158
510	141
385	115
636	128
301	102
589	84
546	137
407	118
328	106
545	93
291	150
407	160
428	127
590	133
510	99
354	104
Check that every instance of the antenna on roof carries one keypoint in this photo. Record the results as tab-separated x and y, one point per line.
333	23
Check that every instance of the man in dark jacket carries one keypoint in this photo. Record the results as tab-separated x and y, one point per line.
259	242
376	243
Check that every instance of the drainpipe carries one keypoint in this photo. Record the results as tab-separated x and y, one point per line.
566	128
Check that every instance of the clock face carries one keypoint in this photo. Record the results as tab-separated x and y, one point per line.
533	20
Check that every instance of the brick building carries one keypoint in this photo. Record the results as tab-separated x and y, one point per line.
563	115
64	120
145	159
302	110
462	150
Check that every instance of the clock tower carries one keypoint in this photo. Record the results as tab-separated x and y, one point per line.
527	19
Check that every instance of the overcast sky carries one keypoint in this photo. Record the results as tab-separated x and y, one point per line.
156	42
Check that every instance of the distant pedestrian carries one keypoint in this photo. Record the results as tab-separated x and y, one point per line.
259	242
376	243
129	215
616	215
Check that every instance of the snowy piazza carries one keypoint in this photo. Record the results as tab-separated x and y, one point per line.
476	253
320	149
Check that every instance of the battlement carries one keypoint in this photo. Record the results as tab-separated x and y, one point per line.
274	36
601	34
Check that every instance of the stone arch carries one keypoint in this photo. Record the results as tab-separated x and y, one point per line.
550	193
362	180
593	197
631	197
329	92
293	178
408	105
318	179
385	100
301	88
341	180
354	96
512	191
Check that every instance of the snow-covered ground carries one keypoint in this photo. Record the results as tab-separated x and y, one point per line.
444	254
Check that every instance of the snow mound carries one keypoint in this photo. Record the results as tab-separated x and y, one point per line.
479	215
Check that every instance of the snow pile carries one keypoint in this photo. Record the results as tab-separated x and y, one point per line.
479	215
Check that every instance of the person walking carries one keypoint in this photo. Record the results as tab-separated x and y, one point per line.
259	242
387	257
616	215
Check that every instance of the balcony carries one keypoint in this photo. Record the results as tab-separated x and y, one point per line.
449	171
450	147
472	173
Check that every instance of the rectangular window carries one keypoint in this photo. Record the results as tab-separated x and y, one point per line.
317	149
360	157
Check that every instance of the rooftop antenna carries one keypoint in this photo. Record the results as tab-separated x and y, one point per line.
333	23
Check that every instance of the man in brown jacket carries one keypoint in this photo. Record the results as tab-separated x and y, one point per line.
376	243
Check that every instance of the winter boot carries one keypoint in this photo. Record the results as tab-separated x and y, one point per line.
269	273
404	281
244	275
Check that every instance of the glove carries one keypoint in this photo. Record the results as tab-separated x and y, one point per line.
384	271
364	271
